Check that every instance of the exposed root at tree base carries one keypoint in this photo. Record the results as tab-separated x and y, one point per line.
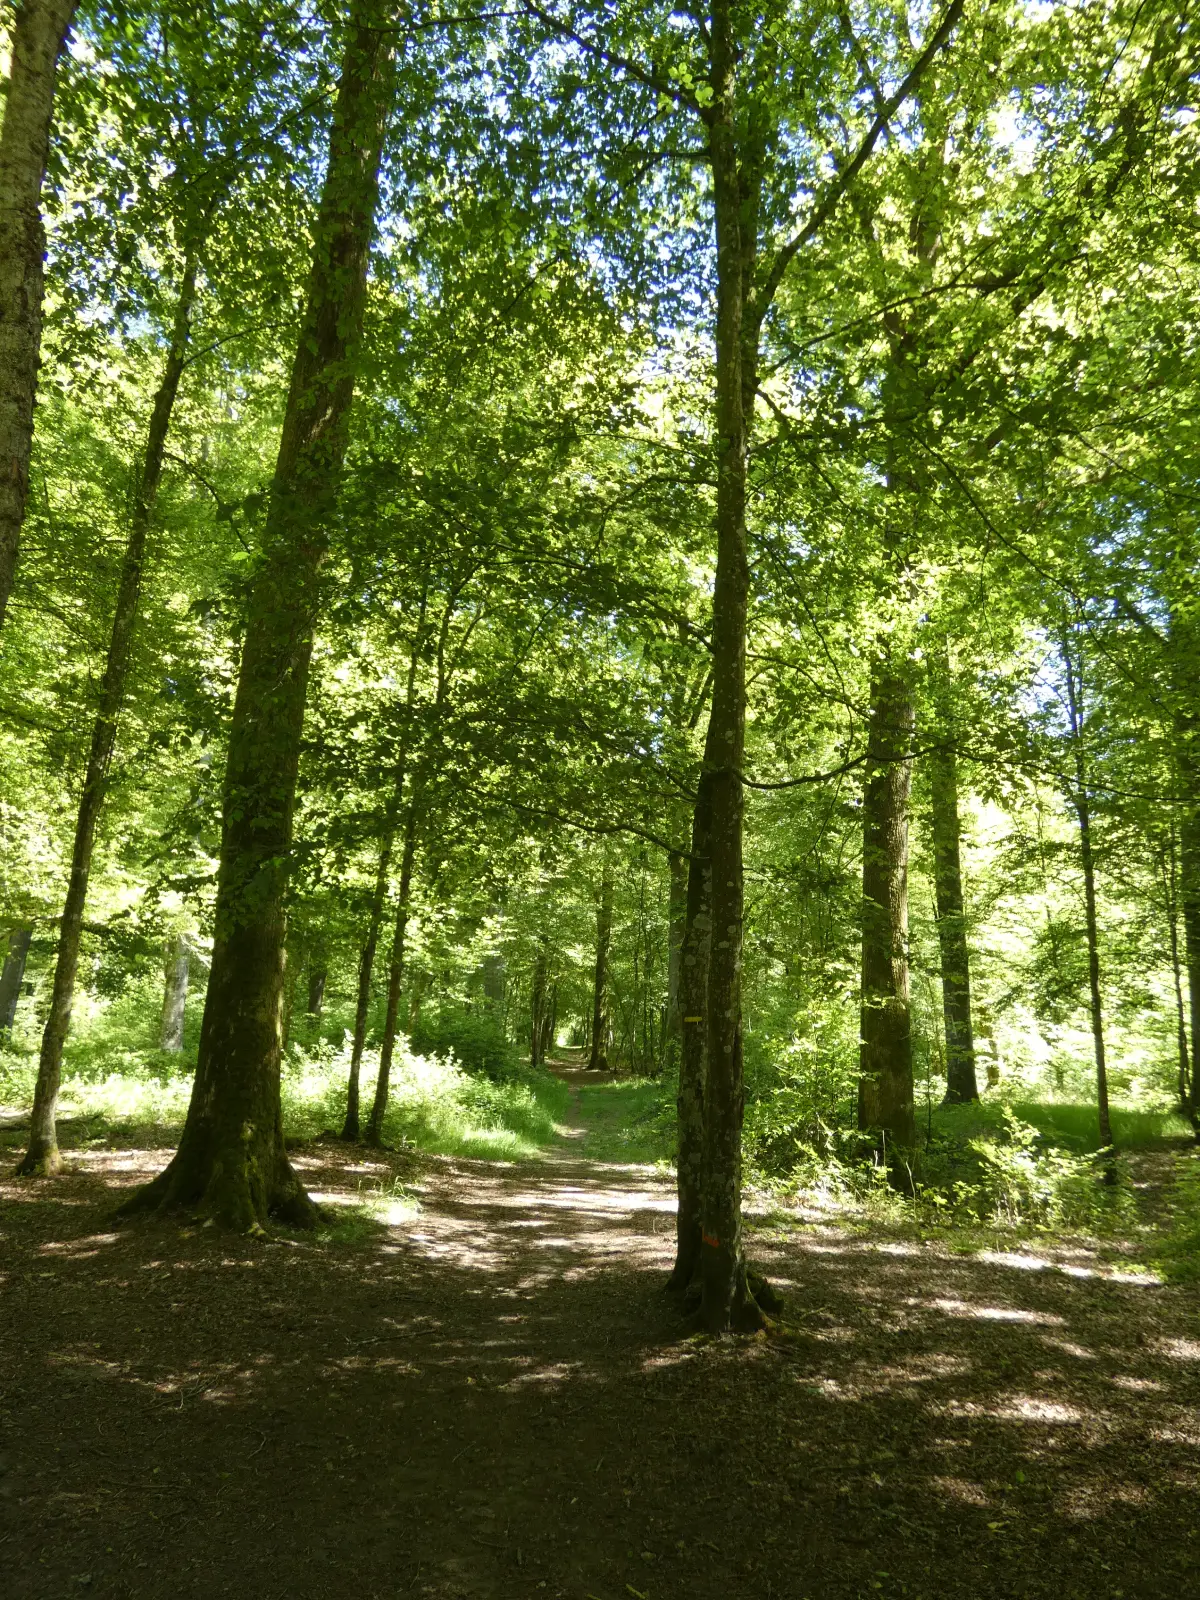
226	1196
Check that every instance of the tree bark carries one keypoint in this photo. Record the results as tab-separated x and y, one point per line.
175	995
726	1297
598	1058
42	1155
231	1163
13	976
40	28
693	1011
961	1086
374	1134
885	1085
1083	814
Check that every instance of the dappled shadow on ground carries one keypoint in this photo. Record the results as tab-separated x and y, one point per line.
491	1396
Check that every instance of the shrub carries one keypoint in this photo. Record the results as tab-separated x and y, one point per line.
474	1038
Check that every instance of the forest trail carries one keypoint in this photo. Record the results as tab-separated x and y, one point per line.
485	1392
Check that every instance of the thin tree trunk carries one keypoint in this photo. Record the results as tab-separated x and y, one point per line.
1189	902
598	1059
693	1010
961	1086
537	1003
677	903
885	1085
1083	813
231	1160
726	1294
374	1134
13	976
366	965
40	28
175	995
1170	874
42	1155
316	990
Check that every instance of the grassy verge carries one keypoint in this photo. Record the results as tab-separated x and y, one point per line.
435	1106
630	1119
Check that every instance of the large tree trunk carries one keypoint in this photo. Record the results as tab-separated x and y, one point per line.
374	1133
231	1163
598	1058
40	27
961	1086
693	1011
1083	814
885	1086
727	1299
175	995
42	1155
13	976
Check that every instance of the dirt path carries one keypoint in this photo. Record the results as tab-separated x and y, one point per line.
492	1396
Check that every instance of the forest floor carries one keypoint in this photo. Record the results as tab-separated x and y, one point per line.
477	1387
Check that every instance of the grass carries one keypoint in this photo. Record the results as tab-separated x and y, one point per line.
434	1105
1071	1126
629	1119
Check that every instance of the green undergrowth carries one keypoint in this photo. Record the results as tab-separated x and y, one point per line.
435	1105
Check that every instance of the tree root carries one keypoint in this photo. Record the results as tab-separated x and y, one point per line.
229	1194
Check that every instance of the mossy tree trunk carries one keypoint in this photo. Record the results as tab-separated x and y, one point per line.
39	30
885	1085
231	1164
13	976
42	1155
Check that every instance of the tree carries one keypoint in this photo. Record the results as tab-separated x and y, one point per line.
39	34
231	1160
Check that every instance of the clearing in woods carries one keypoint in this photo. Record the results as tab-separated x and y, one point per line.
483	1390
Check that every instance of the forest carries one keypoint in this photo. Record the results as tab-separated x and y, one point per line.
600	798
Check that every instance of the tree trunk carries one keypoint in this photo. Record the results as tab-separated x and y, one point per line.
677	903
231	1161
961	1086
374	1133
316	990
885	1085
13	976
727	1299
42	1155
1170	875
537	1003
1083	813
1189	902
693	1011
175	996
366	965
40	27
598	1059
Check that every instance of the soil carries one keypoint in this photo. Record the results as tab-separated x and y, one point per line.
492	1396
